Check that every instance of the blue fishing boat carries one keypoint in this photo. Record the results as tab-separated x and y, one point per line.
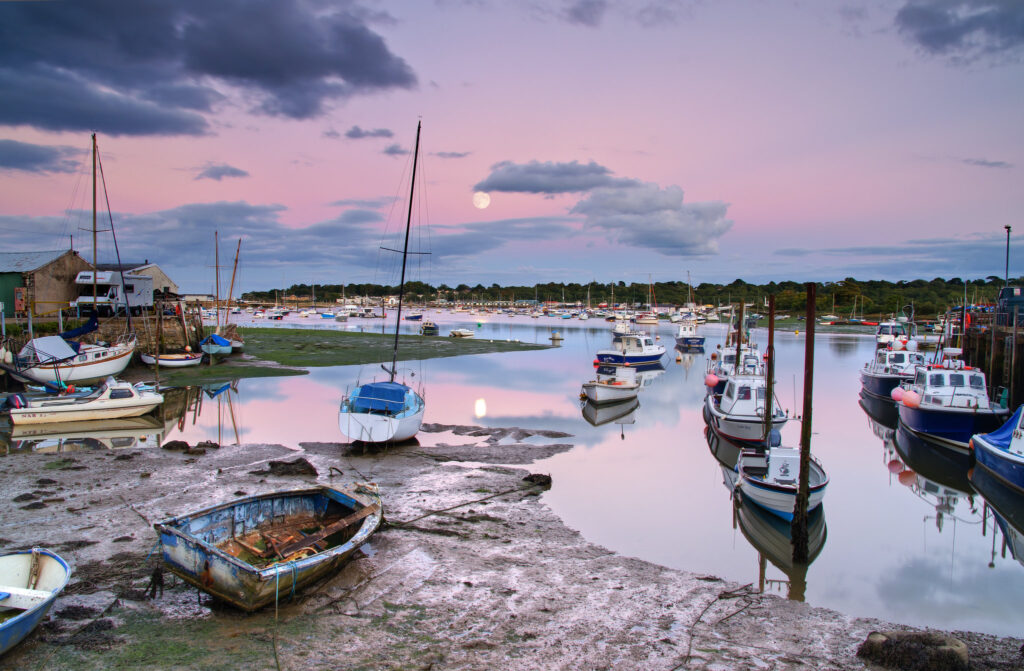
1002	451
429	328
257	550
30	581
889	369
948	402
631	349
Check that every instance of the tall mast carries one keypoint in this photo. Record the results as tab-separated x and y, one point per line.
216	274
95	308
405	251
231	288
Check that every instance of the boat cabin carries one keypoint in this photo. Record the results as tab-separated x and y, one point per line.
951	384
897	361
743	396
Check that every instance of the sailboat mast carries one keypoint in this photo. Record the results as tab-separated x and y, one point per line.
231	288
216	274
94	290
405	251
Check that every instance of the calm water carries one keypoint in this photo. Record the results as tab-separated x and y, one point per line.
901	537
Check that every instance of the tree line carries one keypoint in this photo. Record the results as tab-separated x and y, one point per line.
845	298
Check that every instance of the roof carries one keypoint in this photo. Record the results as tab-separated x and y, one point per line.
119	266
23	262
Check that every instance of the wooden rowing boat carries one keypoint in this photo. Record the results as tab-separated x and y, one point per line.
30	581
260	549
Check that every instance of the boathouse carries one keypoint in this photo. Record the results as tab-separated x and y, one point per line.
42	282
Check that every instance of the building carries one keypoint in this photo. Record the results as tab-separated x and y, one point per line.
43	282
163	286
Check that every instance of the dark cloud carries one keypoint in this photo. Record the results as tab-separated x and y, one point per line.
366	203
647	216
395	150
451	154
147	67
983	163
964	30
357	133
26	157
220	171
548	177
586	12
332	134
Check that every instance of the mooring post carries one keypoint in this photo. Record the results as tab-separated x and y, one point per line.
159	340
769	379
799	526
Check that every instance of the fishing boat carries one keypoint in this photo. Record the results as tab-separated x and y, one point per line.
112	399
429	328
414	317
461	333
770	478
620	385
261	549
52	359
631	349
894	330
739	412
381	412
30	581
890	368
948	402
184	359
1002	451
686	334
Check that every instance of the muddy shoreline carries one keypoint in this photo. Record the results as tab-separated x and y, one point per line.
497	582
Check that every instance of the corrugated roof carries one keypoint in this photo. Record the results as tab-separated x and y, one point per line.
23	262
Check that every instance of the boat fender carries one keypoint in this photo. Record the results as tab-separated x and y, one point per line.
911	399
897	394
711	380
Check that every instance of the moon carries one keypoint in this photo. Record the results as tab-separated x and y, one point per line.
481	200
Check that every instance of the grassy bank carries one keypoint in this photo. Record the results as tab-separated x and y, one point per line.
276	351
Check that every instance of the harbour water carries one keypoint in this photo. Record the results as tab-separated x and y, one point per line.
902	536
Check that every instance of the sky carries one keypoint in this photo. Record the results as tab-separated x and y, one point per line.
614	140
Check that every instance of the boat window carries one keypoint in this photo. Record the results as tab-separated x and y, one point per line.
744	394
121	393
881	356
956	380
920	377
936	379
899	357
762	393
730	391
977	382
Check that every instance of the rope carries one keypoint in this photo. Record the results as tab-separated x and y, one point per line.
467	503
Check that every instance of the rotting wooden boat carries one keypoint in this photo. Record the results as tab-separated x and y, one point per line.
30	581
176	360
261	549
112	399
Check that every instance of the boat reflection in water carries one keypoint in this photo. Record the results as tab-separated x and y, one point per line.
99	434
769	534
937	475
881	412
1007	512
619	413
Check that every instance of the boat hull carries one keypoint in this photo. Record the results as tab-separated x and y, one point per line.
743	429
1003	464
950	426
781	499
172	360
617	358
881	385
93	364
690	342
72	408
34	603
600	393
380	425
189	545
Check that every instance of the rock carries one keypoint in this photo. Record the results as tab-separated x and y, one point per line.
175	445
539	479
207	445
297	467
915	650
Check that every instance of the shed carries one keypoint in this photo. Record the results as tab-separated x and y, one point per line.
41	281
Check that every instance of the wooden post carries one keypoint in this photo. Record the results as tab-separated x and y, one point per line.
769	379
1011	395
159	339
799	526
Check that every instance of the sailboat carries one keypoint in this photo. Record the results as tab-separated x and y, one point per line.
382	412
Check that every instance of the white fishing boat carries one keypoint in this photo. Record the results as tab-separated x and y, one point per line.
686	334
382	412
53	359
770	478
631	349
113	398
619	386
739	412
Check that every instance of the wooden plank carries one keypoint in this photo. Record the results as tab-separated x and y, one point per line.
330	529
23	599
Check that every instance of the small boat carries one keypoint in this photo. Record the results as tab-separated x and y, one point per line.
889	368
260	549
179	360
461	333
113	398
30	581
215	345
53	359
738	413
429	328
894	330
770	478
1002	451
621	385
722	366
686	334
948	402
341	316
632	348
414	317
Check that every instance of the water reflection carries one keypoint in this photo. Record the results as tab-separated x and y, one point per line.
1005	507
103	434
620	413
938	476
